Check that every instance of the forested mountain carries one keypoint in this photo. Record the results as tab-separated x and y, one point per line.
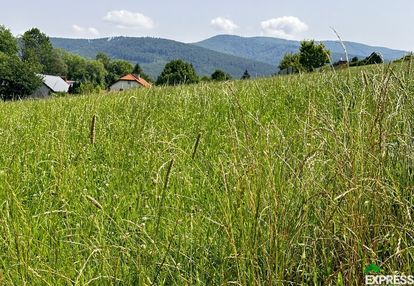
232	54
271	50
153	53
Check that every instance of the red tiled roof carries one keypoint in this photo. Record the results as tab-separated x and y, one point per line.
140	80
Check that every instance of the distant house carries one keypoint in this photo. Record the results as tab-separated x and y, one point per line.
340	64
51	84
128	82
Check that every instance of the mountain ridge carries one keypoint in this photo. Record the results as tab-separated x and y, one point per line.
230	53
267	49
153	53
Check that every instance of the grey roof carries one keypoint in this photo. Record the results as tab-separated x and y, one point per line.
55	83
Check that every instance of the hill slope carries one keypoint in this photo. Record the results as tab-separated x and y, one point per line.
154	53
271	50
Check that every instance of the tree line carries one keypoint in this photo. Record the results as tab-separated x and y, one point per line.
23	58
312	56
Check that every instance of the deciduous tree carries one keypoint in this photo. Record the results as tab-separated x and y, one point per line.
8	43
104	59
178	72
17	78
38	50
291	61
117	69
85	71
313	55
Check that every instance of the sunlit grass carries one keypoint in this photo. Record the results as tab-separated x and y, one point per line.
300	180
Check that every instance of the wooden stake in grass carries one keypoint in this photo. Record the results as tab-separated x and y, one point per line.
196	145
161	203
92	134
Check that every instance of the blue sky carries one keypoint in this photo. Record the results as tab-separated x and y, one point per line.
385	23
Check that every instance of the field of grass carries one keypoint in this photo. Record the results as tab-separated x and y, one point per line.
299	180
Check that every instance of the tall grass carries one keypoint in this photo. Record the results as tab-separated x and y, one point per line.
300	180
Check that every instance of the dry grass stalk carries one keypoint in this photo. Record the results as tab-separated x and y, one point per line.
167	177
365	78
94	202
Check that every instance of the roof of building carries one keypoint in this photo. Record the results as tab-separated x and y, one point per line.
132	77
55	83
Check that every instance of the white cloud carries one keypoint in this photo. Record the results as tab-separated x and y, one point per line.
223	24
126	19
85	32
285	27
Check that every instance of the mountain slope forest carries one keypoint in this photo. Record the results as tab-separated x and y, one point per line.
152	54
272	50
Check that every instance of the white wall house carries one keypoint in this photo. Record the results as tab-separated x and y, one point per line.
124	85
129	81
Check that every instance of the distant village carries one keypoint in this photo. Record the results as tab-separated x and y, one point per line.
58	84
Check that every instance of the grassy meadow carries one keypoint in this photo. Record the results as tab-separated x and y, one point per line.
297	180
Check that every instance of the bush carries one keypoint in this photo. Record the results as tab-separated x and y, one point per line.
220	75
88	88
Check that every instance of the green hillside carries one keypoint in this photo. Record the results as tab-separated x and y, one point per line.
232	54
295	180
272	50
152	54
